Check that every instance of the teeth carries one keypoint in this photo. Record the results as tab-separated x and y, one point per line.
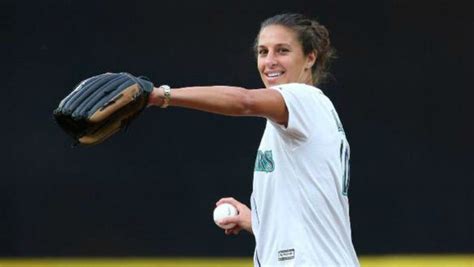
274	74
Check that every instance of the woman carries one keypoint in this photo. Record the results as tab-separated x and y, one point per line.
300	211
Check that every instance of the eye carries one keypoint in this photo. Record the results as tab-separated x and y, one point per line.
262	52
283	50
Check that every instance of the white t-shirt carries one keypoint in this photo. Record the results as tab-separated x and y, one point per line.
300	210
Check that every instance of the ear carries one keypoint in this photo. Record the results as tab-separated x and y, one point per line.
311	59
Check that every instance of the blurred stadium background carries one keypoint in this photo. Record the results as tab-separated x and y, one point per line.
402	85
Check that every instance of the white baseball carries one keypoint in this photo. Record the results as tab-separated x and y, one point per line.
223	211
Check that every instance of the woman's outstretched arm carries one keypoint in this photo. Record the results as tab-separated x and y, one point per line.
227	100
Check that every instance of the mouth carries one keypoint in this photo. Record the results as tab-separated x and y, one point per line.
273	75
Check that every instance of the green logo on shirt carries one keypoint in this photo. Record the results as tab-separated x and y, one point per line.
264	161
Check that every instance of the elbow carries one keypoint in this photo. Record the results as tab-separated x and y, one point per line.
247	104
240	102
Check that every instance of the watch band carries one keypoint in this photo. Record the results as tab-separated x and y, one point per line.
166	95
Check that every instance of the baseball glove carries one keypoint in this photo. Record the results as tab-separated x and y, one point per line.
102	105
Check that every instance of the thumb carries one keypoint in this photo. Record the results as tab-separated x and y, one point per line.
231	219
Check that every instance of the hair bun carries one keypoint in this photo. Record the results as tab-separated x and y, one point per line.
323	35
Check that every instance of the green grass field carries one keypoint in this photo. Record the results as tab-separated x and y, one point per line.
366	261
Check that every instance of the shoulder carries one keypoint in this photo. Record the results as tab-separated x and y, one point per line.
303	92
297	88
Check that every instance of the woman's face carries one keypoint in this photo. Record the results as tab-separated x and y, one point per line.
280	57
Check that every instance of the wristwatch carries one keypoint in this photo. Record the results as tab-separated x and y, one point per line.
166	95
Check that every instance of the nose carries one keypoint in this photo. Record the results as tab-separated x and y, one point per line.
270	60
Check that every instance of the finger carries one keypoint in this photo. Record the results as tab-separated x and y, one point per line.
233	231
231	219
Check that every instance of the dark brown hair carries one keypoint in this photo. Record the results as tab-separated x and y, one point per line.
312	36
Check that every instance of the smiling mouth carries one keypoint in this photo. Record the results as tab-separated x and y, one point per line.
274	74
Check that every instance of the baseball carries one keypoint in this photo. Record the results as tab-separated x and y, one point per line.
222	211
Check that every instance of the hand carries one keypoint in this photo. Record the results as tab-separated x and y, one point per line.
243	220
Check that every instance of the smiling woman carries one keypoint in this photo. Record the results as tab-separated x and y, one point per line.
300	208
281	59
295	34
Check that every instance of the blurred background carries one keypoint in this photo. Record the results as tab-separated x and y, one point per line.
402	85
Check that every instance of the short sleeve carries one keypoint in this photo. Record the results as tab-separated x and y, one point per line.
303	106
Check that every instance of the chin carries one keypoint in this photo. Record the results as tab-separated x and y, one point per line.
268	83
274	83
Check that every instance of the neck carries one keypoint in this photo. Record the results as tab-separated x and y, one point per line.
308	79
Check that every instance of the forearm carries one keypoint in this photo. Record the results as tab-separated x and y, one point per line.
226	100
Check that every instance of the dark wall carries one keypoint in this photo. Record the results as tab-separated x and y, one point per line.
402	85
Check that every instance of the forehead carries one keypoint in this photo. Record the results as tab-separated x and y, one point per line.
276	34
